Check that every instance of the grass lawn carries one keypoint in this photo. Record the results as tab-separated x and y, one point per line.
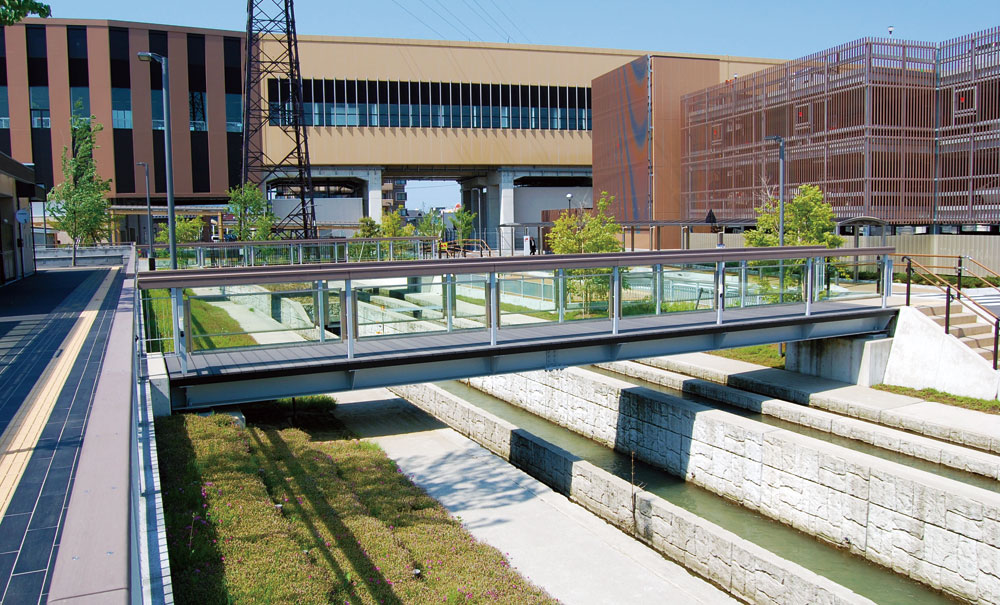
275	514
763	355
205	319
991	406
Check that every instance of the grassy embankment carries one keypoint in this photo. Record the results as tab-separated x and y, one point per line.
991	406
763	355
270	514
205	319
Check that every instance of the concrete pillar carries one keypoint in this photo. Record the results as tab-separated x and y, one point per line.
500	195
374	194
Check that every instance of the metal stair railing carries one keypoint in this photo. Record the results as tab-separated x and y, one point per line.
948	289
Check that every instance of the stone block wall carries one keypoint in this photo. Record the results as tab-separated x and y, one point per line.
721	557
935	530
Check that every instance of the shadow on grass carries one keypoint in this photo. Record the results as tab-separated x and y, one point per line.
197	571
285	476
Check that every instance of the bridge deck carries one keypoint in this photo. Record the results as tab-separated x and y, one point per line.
401	350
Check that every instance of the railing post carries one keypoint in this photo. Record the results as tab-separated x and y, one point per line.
658	286
494	310
177	308
301	257
958	291
253	255
449	299
887	281
616	297
378	251
720	290
909	278
743	284
391	250
351	317
809	284
336	256
321	309
996	341
561	294
947	310
201	256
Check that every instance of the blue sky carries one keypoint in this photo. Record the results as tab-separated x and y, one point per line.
778	29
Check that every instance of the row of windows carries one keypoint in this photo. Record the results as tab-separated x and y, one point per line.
432	105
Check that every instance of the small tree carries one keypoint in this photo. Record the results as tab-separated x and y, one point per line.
78	204
186	228
430	224
12	11
463	220
587	233
393	226
368	228
248	207
808	222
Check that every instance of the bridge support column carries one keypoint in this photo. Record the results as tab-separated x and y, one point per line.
504	193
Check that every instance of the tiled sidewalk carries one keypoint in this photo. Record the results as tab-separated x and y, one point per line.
29	530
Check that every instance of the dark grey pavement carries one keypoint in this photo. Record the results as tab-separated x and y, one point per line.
36	315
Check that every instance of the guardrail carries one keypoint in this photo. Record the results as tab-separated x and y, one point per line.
203	255
293	305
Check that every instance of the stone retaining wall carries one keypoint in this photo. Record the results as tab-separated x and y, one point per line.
732	563
937	531
894	440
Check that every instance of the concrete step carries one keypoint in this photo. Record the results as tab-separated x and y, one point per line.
933	310
985	353
984	341
957	319
970	330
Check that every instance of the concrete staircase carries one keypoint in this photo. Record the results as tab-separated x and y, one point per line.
965	326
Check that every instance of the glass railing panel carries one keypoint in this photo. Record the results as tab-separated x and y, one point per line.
157	321
400	306
247	315
588	294
848	277
687	287
527	298
638	291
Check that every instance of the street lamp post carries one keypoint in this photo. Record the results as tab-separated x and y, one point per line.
569	202
781	208
171	228
149	218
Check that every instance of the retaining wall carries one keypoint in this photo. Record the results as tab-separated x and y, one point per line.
732	563
937	531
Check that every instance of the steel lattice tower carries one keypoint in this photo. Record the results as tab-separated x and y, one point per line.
272	65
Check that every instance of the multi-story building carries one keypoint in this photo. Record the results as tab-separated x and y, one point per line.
511	123
902	131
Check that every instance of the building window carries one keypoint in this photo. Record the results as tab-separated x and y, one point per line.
79	102
196	105
4	108
39	98
234	112
156	101
121	108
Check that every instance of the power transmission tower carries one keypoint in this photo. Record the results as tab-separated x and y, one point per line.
272	96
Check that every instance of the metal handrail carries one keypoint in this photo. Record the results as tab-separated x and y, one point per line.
281	242
182	278
988	270
947	288
459	245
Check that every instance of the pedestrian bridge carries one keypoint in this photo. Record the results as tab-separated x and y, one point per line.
253	333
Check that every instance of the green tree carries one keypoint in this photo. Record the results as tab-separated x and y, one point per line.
808	222
253	219
12	11
393	226
430	224
587	233
463	220
78	204
368	228
186	228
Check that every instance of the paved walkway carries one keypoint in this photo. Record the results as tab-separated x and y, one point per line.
573	555
53	329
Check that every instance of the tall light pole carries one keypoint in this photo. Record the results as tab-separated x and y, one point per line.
781	209
569	202
171	228
149	218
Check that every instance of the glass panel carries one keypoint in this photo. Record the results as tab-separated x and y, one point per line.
587	293
79	101
156	102
528	298
196	105
638	291
4	108
234	113
121	108
687	288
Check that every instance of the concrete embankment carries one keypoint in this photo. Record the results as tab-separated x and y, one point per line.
742	568
928	418
887	438
937	531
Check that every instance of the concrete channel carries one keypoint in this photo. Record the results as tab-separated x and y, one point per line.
754	558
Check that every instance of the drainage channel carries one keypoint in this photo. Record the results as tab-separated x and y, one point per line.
864	578
858	446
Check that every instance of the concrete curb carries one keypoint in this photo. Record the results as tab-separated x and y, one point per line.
728	561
